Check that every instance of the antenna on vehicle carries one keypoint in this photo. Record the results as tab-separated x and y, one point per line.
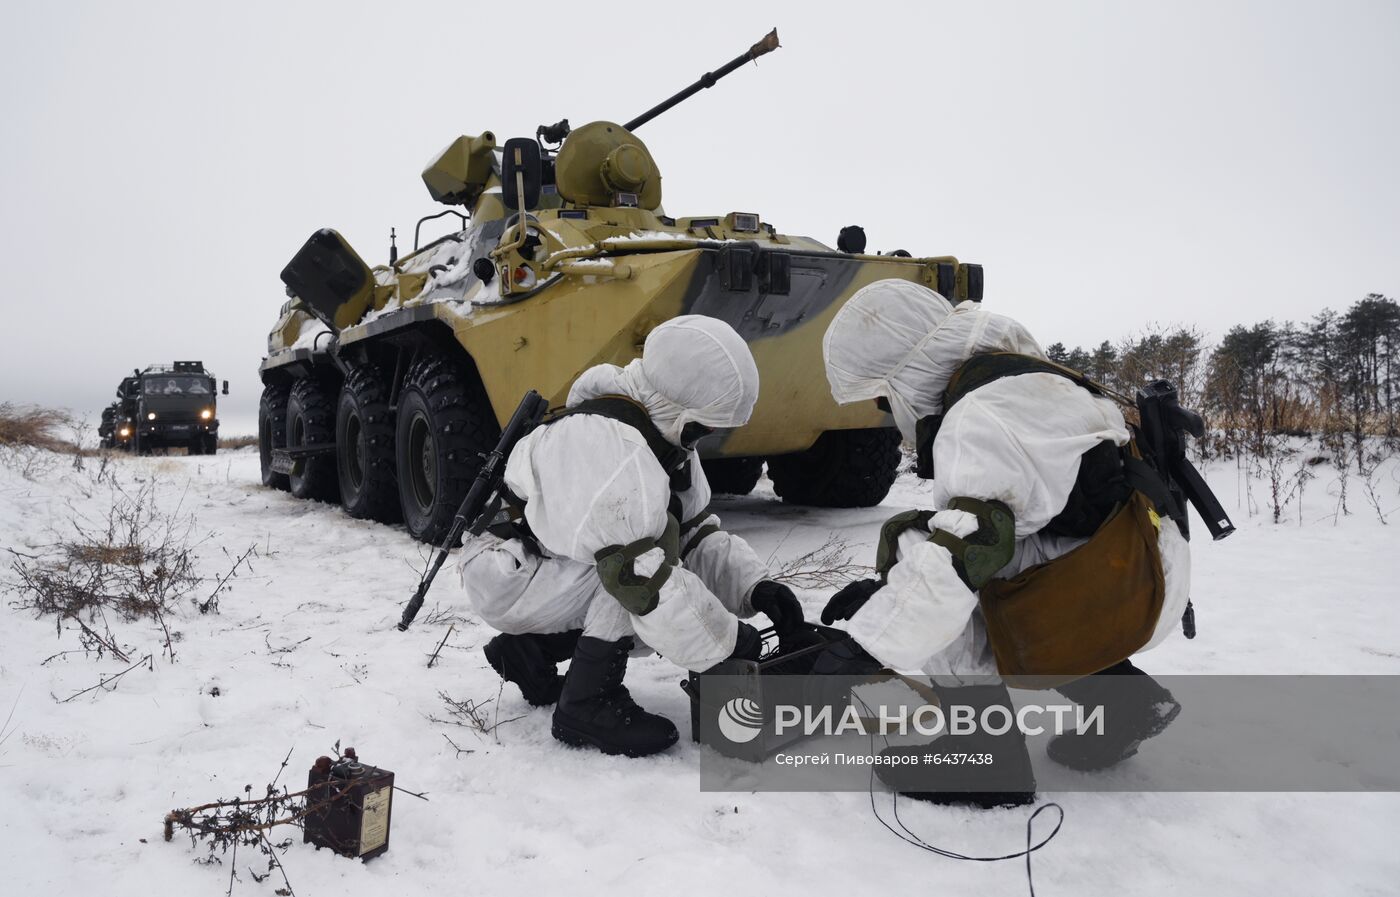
393	248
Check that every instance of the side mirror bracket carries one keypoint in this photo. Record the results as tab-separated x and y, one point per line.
522	174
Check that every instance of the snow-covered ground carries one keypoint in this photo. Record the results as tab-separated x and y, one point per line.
303	652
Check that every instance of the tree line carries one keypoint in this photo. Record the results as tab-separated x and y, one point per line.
1334	379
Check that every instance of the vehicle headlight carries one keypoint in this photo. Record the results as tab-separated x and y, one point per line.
151	416
206	414
126	431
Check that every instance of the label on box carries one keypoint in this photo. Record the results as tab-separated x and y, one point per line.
374	824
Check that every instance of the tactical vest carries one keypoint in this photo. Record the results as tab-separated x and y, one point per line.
673	459
1108	474
1096	605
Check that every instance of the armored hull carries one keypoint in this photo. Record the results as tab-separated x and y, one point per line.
403	373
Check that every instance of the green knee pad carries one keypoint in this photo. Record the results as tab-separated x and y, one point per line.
638	594
887	551
979	556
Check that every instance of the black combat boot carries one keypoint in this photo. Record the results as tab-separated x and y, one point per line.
977	770
532	662
596	710
1135	708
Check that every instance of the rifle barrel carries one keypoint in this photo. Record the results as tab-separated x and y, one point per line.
484	486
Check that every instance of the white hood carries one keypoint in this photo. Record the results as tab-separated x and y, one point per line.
693	369
903	341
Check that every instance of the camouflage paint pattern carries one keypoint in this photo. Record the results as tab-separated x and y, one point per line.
602	277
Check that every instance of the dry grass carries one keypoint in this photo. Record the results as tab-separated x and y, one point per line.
125	555
33	426
236	442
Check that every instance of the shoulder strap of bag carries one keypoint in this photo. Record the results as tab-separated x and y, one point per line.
979	370
623	410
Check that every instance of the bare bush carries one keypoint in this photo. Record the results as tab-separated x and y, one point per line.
109	683
29	461
1287	480
5	729
449	615
828	566
227	824
138	566
472	714
1371	488
211	604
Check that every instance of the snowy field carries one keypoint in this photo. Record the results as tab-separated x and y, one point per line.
303	652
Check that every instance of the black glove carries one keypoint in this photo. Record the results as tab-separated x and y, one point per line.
748	644
777	602
850	599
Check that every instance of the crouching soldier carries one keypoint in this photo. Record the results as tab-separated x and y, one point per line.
614	539
1049	548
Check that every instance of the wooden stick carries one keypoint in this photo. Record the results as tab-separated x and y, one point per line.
109	679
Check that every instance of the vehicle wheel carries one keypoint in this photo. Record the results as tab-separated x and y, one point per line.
311	420
196	446
272	432
842	469
211	444
444	426
732	476
364	439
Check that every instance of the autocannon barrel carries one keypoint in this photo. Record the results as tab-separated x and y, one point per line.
767	45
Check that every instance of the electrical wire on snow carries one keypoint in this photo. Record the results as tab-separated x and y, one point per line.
908	836
905	834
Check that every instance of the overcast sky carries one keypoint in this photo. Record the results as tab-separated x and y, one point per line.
1111	164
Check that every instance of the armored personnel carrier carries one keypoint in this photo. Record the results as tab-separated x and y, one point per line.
384	384
164	406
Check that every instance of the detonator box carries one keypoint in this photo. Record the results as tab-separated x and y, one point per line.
349	806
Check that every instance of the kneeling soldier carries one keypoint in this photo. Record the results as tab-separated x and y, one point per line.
1052	548
614	539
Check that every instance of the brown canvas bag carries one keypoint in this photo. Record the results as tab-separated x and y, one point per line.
1088	609
1085	610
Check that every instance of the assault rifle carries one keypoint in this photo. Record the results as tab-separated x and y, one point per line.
1165	425
483	498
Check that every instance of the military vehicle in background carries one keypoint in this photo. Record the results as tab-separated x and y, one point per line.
118	423
383	386
164	406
